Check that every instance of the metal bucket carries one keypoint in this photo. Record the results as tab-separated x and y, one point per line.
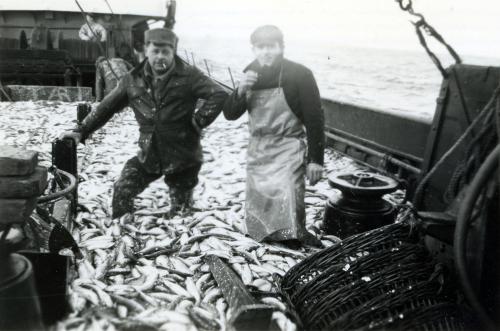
51	281
19	305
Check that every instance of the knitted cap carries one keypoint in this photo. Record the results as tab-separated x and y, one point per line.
266	34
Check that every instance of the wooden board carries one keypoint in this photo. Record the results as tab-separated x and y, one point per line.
24	186
16	210
16	161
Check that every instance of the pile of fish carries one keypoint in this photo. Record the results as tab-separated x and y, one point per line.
143	271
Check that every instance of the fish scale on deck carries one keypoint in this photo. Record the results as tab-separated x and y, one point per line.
149	271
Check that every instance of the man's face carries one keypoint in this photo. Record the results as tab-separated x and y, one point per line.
160	57
267	53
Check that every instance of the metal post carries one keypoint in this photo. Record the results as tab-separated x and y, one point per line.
192	57
206	65
64	157
231	75
246	313
170	19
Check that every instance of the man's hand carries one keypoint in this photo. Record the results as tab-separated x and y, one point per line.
76	136
247	82
314	173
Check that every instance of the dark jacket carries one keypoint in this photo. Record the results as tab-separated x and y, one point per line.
301	94
168	124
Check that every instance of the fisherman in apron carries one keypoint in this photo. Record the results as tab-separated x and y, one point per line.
163	92
286	140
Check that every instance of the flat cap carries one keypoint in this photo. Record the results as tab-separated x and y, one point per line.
161	36
266	34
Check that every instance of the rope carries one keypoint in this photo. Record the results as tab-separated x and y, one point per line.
486	112
476	151
462	98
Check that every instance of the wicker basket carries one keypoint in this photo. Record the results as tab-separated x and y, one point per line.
413	307
387	237
381	279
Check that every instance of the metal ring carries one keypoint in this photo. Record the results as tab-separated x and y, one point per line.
67	190
406	7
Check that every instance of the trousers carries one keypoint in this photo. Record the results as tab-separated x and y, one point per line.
134	179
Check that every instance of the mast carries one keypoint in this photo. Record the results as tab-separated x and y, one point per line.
170	18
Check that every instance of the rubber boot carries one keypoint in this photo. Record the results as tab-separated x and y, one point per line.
188	200
310	240
181	202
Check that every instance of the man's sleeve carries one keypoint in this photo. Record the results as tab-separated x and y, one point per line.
310	103
111	104
235	106
214	95
83	32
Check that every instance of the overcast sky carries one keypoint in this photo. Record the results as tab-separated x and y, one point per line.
472	27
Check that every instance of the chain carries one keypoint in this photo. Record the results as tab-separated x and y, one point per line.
422	26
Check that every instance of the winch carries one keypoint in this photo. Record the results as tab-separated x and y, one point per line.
360	207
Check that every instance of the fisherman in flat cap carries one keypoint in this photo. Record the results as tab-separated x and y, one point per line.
163	93
286	139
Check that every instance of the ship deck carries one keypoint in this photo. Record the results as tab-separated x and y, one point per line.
99	280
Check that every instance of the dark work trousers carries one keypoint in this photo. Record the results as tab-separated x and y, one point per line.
134	179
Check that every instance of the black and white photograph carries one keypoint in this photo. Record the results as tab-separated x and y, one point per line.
249	165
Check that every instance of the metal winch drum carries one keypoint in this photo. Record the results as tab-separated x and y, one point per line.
360	207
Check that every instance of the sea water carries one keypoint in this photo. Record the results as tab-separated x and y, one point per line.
387	79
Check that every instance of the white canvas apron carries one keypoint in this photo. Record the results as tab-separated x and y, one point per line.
276	167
